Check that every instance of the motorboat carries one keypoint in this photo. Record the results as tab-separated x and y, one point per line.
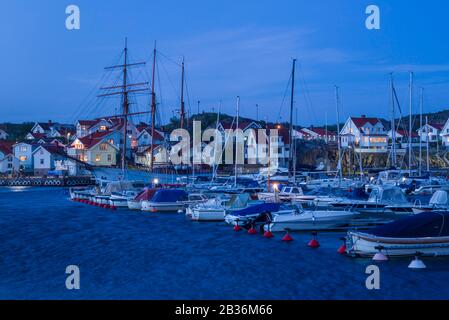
302	220
216	208
422	234
145	195
438	202
286	194
171	200
258	214
120	199
383	199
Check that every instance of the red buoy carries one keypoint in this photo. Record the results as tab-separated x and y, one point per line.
237	228
287	237
268	234
342	249
252	230
313	243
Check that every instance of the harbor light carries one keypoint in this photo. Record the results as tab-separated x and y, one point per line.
155	181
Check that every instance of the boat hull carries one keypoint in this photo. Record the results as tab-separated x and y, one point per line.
365	245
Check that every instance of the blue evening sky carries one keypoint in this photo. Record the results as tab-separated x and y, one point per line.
231	48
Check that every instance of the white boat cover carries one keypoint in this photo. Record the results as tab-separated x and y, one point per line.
439	198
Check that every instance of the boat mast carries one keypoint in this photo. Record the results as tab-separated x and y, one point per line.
182	112
427	145
393	126
237	148
125	108
214	167
420	125
125	102
290	158
410	125
337	102
153	106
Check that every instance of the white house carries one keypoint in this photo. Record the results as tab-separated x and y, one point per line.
143	156
8	163
366	134
433	131
24	152
444	134
3	134
144	137
44	158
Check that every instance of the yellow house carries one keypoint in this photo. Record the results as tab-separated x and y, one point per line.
94	150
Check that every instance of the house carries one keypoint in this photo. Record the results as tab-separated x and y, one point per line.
43	127
365	134
97	149
35	136
313	133
144	137
143	156
8	163
433	131
444	134
45	157
3	134
401	136
24	152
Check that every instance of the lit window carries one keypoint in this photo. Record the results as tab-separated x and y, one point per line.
23	149
103	146
103	128
23	158
97	158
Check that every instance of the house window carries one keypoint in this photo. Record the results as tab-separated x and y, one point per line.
103	128
103	146
42	161
129	131
23	158
41	152
9	165
23	149
145	136
79	146
97	158
109	158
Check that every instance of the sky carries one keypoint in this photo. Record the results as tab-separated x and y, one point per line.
231	48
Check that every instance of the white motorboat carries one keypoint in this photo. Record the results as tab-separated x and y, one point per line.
311	220
146	195
286	194
120	200
422	234
438	202
215	209
171	200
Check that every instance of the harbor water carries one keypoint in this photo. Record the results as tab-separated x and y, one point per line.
132	255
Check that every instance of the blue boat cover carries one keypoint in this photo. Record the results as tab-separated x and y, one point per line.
169	195
257	209
428	224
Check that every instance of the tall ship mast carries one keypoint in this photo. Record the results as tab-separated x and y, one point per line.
124	90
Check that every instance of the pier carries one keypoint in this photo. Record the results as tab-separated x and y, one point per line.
47	182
